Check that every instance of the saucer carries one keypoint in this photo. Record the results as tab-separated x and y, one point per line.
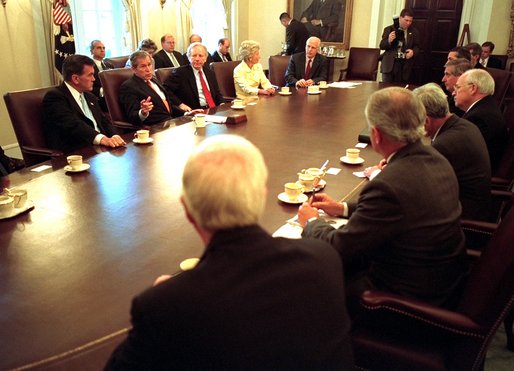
323	87
84	167
285	93
345	159
322	183
189	264
146	141
237	107
300	200
314	92
29	205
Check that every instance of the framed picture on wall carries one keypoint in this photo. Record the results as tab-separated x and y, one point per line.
330	20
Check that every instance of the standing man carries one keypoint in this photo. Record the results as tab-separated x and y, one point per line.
253	302
194	86
319	15
474	95
143	97
401	44
168	56
97	49
452	71
72	117
403	235
222	54
486	59
464	147
296	34
476	51
307	68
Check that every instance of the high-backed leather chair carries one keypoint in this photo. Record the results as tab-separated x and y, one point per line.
502	79
25	110
362	64
162	74
111	82
277	69
398	333
119	62
224	72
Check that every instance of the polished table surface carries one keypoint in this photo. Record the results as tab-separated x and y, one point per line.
70	267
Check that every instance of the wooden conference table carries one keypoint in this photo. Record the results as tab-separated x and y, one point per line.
70	267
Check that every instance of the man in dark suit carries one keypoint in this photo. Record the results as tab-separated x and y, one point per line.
97	49
486	59
404	234
452	71
194	86
72	118
222	54
462	144
476	51
168	56
252	302
307	68
143	97
474	95
195	38
319	15
401	45
296	34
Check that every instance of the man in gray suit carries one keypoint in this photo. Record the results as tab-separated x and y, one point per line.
404	234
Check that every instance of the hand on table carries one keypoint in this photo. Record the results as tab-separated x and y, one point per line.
114	141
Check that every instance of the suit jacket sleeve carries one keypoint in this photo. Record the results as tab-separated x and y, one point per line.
320	72
291	76
384	43
378	207
130	102
290	39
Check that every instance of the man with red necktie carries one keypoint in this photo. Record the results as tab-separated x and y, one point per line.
307	68
194	86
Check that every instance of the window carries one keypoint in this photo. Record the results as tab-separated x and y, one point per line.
209	21
103	20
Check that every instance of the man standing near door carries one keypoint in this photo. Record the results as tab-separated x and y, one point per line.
401	44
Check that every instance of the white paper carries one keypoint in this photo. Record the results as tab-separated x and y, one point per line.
344	84
361	145
216	119
359	174
333	171
41	168
293	230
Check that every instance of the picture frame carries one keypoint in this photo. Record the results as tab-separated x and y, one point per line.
337	33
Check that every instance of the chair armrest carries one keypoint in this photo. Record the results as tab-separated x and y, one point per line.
40	151
499	183
228	99
125	125
374	302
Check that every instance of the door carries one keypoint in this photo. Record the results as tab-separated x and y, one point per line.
438	24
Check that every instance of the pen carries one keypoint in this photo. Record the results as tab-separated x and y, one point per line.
324	165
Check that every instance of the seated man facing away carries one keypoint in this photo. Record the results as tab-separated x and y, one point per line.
403	235
464	147
307	68
72	117
474	94
253	302
143	97
194	86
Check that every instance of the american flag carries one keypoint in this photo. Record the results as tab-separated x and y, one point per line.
61	16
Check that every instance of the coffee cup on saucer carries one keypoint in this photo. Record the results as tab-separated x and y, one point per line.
199	120
285	89
315	172
238	103
142	135
19	196
293	190
323	84
313	89
75	162
6	204
352	154
306	180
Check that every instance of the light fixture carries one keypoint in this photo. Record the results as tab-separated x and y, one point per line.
162	3
4	2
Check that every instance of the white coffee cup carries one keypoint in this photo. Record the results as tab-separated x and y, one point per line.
322	84
142	135
19	196
75	161
285	89
306	180
238	103
352	154
199	120
313	89
315	172
6	204
293	190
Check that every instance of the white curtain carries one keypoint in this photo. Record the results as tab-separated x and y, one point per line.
132	24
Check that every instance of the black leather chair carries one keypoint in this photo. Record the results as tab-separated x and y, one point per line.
277	69
362	64
397	333
162	74
111	82
25	110
502	79
224	72
118	62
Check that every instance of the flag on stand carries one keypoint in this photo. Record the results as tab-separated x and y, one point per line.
63	35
